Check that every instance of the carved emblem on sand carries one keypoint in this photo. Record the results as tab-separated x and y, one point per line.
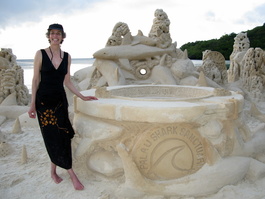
169	152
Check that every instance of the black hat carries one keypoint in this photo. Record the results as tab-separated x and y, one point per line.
56	26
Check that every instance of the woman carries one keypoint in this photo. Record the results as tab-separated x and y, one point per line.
49	102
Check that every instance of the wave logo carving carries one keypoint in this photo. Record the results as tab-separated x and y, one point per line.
169	152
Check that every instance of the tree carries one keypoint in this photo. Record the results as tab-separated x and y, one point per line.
225	43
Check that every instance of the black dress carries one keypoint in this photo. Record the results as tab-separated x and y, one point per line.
52	111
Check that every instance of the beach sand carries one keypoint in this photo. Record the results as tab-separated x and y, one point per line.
32	179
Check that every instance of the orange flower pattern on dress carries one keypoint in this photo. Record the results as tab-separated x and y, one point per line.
48	117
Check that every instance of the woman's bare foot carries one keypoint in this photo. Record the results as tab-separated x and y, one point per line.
77	184
57	179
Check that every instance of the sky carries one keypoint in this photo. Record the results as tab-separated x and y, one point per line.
89	23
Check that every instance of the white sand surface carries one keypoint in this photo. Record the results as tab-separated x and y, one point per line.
32	179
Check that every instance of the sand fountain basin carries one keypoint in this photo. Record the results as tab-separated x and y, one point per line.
158	103
162	133
155	93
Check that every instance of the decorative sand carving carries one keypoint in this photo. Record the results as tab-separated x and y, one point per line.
12	86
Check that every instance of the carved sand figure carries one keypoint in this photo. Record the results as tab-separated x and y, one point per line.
12	79
160	29
214	66
241	45
161	73
252	73
132	62
7	54
139	59
118	32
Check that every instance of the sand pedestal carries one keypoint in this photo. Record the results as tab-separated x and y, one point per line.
162	132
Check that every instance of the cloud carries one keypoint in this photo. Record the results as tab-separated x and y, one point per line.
257	15
89	23
210	16
14	12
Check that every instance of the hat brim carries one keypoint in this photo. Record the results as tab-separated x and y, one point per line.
55	27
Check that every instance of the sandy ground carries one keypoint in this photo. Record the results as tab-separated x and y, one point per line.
32	179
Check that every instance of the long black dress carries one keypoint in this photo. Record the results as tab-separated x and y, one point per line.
52	111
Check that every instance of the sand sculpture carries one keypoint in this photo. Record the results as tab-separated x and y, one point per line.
12	88
247	67
156	129
161	135
140	59
240	47
253	73
214	66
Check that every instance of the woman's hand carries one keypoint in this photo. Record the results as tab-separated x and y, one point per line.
88	98
32	112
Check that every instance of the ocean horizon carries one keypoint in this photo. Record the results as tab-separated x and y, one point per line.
76	65
27	65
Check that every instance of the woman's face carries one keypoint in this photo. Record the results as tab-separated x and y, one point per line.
55	36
